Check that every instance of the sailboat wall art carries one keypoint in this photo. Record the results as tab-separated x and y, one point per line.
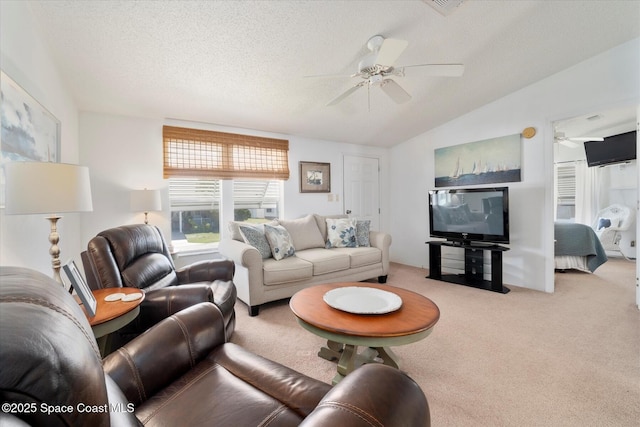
488	161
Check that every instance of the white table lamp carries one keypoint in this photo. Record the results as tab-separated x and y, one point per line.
146	201
47	188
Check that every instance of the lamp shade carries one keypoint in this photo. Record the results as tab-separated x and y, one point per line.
41	188
145	200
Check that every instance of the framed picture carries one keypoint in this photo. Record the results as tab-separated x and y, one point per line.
488	161
315	177
29	131
81	287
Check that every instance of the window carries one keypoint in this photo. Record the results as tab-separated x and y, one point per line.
196	162
195	210
195	206
566	191
256	200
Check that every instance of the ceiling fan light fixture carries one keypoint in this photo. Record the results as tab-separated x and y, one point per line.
375	80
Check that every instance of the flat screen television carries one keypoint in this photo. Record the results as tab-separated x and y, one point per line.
469	215
614	149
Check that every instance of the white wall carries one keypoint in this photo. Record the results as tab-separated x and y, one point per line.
24	57
607	80
125	153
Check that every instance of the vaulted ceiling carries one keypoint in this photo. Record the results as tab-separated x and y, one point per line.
246	63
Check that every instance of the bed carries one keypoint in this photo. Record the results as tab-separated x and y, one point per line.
577	247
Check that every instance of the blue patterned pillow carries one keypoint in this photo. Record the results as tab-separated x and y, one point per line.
362	232
255	237
280	241
341	233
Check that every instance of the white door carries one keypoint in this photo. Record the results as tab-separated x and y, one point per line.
638	212
362	188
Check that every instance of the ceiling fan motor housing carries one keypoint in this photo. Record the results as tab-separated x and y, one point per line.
367	64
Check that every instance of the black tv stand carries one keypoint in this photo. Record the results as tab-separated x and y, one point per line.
473	265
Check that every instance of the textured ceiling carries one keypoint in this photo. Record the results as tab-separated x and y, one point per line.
244	63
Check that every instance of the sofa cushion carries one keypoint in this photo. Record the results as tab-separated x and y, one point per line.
304	232
325	260
280	241
254	236
341	233
361	256
291	269
363	227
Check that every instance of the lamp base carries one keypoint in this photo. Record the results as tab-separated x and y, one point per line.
54	250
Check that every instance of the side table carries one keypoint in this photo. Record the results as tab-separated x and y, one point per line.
112	315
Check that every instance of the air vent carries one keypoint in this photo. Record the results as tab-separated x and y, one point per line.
444	7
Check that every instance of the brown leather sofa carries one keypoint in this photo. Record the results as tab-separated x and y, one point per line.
137	256
181	372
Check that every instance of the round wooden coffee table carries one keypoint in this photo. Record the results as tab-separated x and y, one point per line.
344	331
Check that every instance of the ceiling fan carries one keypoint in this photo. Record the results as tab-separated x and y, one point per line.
377	68
574	142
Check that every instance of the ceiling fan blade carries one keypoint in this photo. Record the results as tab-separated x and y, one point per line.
568	143
345	94
390	51
586	138
395	91
445	70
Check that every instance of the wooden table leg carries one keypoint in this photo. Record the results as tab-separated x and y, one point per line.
388	357
347	362
332	351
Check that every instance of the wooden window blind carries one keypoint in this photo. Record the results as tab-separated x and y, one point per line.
211	154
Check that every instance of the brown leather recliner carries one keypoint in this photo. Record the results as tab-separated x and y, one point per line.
137	256
181	372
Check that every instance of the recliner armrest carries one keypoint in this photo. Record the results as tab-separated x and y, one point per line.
165	352
161	303
206	271
373	394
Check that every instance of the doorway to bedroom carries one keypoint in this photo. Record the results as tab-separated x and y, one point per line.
603	198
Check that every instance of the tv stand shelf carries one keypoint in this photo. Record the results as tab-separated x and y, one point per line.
473	265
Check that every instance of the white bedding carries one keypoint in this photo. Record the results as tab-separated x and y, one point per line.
566	262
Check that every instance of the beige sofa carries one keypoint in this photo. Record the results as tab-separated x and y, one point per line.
260	278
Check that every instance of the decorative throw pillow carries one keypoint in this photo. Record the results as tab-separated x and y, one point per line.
280	241
362	232
604	223
341	233
254	236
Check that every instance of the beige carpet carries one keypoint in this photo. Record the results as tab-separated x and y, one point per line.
526	358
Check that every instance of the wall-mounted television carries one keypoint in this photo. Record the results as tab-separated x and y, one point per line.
614	149
469	215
